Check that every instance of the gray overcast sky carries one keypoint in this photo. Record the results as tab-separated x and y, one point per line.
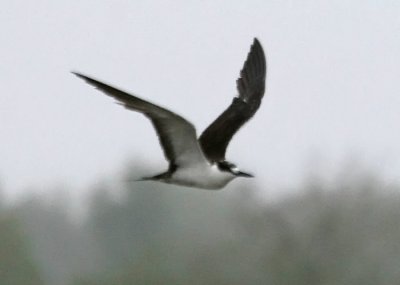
333	84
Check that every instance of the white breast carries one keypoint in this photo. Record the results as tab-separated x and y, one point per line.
205	176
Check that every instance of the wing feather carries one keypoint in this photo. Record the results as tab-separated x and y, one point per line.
177	136
251	87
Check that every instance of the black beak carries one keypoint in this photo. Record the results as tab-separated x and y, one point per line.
244	174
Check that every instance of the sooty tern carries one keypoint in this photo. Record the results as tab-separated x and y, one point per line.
200	162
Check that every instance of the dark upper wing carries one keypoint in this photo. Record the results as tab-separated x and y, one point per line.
177	136
251	86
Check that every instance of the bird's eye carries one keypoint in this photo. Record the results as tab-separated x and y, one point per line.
224	165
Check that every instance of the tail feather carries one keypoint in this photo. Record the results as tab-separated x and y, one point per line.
157	177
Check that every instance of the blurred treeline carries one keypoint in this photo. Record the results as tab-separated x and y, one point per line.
345	231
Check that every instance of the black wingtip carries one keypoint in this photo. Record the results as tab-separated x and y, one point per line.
88	79
256	41
257	45
79	75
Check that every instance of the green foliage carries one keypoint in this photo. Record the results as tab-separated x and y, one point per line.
343	232
16	264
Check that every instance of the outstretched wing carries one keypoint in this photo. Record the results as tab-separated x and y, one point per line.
177	136
251	86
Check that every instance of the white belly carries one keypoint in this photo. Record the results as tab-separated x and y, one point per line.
201	176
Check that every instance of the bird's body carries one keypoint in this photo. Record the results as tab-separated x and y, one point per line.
200	162
202	175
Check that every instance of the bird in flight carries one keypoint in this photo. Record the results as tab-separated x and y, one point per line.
200	162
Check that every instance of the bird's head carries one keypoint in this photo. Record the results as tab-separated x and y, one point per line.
232	168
